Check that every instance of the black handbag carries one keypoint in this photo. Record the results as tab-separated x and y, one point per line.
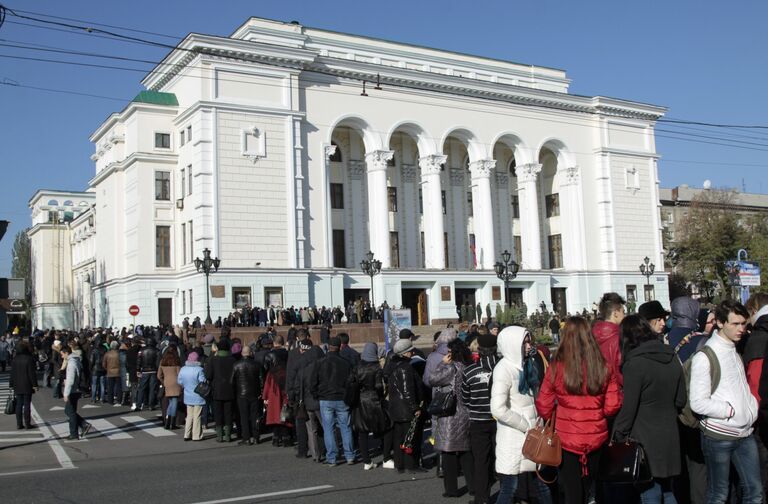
624	462
443	403
10	405
203	389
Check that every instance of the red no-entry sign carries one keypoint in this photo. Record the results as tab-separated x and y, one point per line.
133	310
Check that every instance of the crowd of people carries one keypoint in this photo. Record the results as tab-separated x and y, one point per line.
690	387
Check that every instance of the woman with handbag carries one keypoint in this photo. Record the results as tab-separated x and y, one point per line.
369	416
654	392
586	393
515	378
450	416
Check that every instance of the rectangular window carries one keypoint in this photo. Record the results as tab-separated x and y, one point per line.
191	306
162	140
337	196
423	252
189	133
183	243
555	251
189	179
394	249
339	249
241	296
552	202
518	250
515	207
469	204
631	294
183	301
421	202
162	186
163	246
183	182
445	206
445	246
392	198
472	251
191	243
181	138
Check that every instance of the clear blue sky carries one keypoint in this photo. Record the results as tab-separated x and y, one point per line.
705	60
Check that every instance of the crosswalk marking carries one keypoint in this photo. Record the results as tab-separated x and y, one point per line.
62	429
108	429
57	408
148	426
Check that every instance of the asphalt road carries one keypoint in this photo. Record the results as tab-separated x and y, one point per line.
129	458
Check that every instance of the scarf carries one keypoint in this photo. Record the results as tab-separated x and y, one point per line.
530	381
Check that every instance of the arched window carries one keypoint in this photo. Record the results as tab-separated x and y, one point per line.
336	158
53	202
69	203
512	166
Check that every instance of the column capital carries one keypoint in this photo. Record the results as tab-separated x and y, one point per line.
528	172
430	165
377	160
330	150
482	168
569	176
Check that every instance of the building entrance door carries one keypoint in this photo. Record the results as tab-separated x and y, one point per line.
416	301
165	311
559	305
465	304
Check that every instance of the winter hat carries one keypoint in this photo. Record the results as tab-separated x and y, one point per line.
486	340
685	311
405	334
652	310
237	348
402	346
370	352
334	341
208	339
193	357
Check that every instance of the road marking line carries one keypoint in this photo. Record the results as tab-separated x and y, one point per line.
20	439
61	454
108	429
62	430
271	494
57	408
18	433
147	426
16	473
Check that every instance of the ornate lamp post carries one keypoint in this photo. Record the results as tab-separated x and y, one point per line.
646	269
506	270
371	267
206	265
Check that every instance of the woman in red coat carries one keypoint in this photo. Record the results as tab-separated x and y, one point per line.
586	393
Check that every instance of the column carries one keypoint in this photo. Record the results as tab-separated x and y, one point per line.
530	227
482	209
572	218
409	235
357	238
328	151
504	239
434	253
378	208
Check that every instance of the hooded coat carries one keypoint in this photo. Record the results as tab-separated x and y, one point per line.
607	336
685	314
654	393
515	413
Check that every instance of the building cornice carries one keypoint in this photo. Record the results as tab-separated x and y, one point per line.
126	163
235	107
627	152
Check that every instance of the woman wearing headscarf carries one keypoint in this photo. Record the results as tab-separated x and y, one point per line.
516	379
369	416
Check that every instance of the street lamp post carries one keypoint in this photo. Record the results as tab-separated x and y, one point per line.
206	265
371	267
646	269
506	270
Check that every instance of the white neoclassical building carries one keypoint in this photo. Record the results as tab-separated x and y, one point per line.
290	151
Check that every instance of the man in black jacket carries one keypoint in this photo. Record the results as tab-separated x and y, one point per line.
23	381
248	388
329	384
404	400
147	363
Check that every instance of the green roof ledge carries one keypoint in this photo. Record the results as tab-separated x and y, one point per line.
156	98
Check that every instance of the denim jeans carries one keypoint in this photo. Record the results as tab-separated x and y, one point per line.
23	410
114	390
70	409
98	388
742	453
660	491
173	403
508	487
336	413
147	385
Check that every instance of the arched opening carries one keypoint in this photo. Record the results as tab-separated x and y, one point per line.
506	201
549	210
458	196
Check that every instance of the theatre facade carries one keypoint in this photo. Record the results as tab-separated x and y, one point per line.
290	152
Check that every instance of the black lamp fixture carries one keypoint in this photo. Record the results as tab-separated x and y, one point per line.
207	265
646	269
506	270
371	267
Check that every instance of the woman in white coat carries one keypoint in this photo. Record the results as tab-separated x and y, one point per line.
515	412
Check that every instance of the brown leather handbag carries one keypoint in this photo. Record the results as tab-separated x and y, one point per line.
542	445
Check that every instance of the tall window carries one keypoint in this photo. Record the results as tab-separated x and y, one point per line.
189	179
552	202
423	251
191	306
472	251
339	249
189	133
445	205
163	246
183	243
515	207
445	249
183	182
191	243
162	140
469	204
183	301
337	196
421	202
392	198
162	186
241	296
394	249
518	250
555	251
181	138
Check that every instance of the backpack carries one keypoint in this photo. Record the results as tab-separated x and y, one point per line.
687	417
